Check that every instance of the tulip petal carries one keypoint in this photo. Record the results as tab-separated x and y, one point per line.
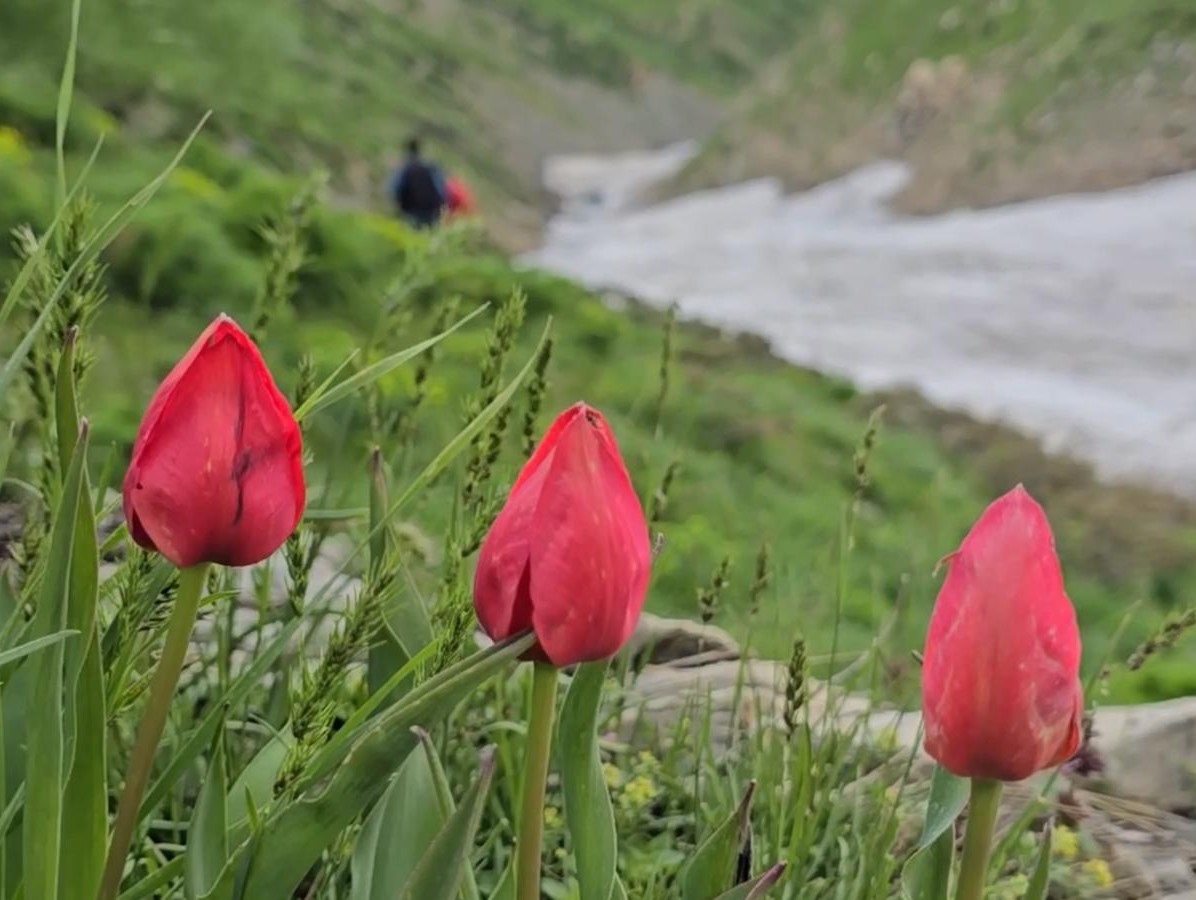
216	474
590	555
501	582
1001	694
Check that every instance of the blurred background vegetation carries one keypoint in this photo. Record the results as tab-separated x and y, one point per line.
760	451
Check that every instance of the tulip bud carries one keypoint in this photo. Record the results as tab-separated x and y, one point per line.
1001	695
568	555
216	474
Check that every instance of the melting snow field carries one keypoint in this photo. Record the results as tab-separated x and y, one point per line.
1072	317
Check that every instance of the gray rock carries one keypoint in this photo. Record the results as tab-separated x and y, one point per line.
663	640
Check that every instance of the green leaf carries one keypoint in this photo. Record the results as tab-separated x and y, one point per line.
44	762
66	405
65	88
756	888
710	871
406	631
1040	881
444	799
151	885
380	532
505	889
85	825
335	515
256	781
439	874
371	373
85	795
293	836
207	838
588	812
398	833
7	442
927	873
440	782
948	797
22	650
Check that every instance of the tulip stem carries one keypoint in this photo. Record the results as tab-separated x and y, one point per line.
535	774
983	807
153	723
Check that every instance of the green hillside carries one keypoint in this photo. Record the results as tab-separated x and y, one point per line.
990	100
761	452
493	86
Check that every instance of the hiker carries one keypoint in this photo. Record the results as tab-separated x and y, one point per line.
458	197
418	189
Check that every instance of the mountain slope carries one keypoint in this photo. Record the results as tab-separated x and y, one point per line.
494	86
991	100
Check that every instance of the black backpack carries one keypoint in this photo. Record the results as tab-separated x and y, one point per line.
418	191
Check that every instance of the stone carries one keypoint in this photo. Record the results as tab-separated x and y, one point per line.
666	640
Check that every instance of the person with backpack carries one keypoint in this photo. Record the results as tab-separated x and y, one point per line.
418	189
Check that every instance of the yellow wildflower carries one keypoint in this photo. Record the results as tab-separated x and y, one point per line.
552	817
13	144
1099	872
612	775
648	761
638	791
1064	843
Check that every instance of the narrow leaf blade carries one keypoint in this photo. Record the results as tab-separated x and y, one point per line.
927	874
207	838
756	888
374	371
440	872
398	833
588	811
44	765
1040	881
711	869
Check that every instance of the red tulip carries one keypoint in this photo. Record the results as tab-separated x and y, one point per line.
216	474
1001	694
568	555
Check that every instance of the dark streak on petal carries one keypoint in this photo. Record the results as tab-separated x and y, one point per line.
242	460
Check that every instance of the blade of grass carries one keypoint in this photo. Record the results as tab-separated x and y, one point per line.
23	650
150	885
44	760
66	88
440	873
374	371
